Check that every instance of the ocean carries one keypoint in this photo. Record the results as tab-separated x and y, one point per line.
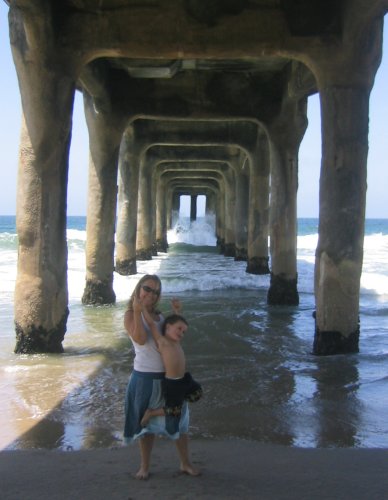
260	380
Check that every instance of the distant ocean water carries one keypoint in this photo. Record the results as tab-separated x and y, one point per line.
260	379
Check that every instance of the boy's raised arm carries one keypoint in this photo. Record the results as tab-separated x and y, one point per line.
176	305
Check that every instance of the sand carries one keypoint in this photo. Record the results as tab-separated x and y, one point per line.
231	469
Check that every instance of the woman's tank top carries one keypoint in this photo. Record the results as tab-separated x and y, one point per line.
147	357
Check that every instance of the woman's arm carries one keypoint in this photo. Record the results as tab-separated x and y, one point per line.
157	336
134	324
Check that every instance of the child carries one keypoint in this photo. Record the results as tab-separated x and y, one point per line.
178	385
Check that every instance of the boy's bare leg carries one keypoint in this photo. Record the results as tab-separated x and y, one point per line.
158	412
147	415
182	445
146	443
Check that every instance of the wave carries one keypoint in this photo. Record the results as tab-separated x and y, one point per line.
197	264
199	233
8	241
76	234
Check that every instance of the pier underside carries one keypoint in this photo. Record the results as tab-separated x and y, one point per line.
192	97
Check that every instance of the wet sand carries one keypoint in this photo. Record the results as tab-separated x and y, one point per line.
231	469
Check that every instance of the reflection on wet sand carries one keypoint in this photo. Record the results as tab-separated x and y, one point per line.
43	386
335	399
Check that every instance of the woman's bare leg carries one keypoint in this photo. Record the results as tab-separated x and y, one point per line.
182	445
146	443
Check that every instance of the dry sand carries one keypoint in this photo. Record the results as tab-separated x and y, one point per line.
230	469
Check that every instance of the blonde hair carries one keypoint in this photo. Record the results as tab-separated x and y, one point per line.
136	291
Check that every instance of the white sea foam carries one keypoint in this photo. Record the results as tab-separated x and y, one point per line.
75	234
307	243
194	233
192	270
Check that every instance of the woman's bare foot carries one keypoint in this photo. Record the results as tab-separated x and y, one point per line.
190	470
146	417
142	474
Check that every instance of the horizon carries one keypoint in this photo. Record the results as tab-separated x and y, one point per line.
309	152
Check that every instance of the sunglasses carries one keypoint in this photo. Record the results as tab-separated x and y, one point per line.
148	289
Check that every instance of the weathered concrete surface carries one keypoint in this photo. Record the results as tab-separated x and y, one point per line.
286	131
41	287
105	137
193	73
340	246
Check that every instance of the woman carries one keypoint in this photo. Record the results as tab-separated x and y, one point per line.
144	388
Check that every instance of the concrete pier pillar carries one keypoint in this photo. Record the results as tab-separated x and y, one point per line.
241	219
344	95
168	199
104	143
258	216
193	208
285	132
175	208
341	218
229	247
161	216
220	222
154	245
144	239
127	211
47	92
210	205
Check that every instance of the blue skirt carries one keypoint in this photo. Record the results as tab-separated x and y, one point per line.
144	390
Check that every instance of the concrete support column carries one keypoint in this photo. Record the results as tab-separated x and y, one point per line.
241	220
220	222
339	253
168	195
161	216
127	213
211	208
154	245
229	245
193	207
344	94
286	133
144	239
175	207
41	293
210	204
259	208
104	139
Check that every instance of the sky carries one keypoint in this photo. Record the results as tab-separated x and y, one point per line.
309	153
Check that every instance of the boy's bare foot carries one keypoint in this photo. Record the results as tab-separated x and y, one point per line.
142	474
190	470
144	421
